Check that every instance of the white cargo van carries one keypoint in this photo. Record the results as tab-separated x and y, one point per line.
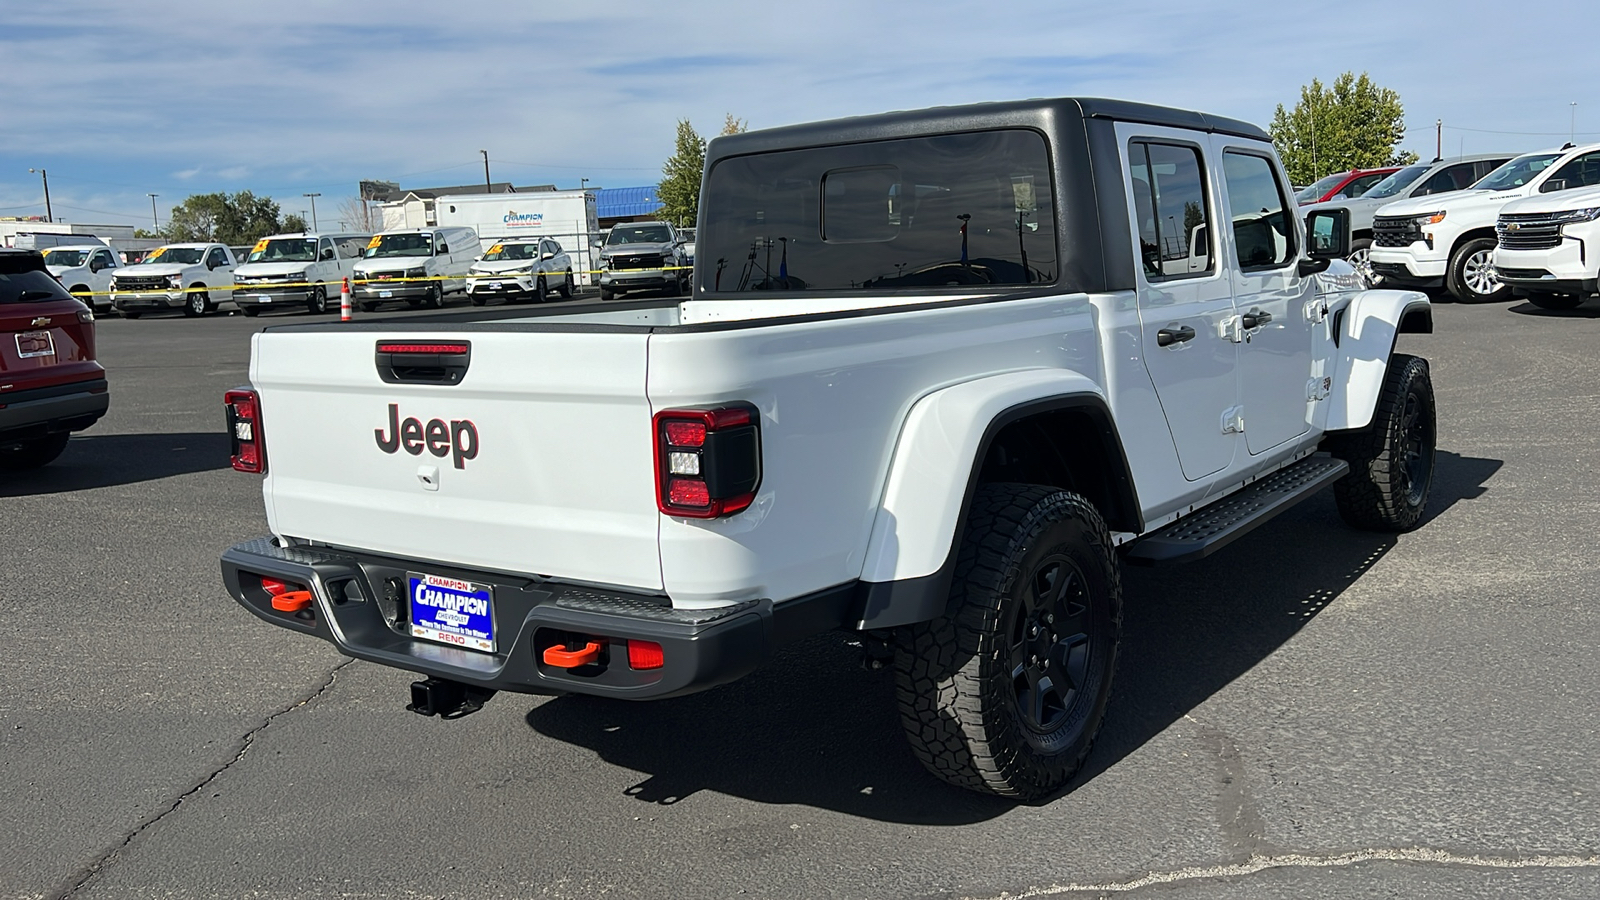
417	265
291	270
84	270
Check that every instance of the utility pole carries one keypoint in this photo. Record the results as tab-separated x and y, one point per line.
313	209
486	183
48	215
155	222
1438	138
1572	134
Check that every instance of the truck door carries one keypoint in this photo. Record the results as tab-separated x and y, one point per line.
1184	298
1272	300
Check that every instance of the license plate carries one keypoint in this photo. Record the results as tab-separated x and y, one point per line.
451	611
35	343
264	298
494	285
386	294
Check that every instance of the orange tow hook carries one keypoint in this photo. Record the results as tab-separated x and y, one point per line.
562	658
291	601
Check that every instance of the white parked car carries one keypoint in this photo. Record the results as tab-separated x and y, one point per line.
943	428
85	270
296	270
1450	240
192	277
521	269
1548	245
416	265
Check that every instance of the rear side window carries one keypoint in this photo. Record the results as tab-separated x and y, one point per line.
1450	178
1581	172
1170	203
24	279
953	212
1262	231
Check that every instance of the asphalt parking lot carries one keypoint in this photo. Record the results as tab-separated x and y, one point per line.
1312	712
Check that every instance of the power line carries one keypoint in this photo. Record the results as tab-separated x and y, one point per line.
1520	133
509	162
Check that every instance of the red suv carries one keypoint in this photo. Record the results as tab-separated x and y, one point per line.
50	384
1343	185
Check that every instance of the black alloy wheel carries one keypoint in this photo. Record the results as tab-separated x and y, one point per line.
1392	459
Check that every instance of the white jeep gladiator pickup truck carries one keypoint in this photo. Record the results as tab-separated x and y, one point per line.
942	374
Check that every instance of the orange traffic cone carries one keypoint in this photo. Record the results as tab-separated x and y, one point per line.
344	302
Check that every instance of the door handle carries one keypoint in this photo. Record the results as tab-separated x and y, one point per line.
1255	318
1168	336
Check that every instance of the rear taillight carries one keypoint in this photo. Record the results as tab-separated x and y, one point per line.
708	461
244	428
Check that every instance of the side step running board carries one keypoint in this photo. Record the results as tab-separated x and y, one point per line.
1220	524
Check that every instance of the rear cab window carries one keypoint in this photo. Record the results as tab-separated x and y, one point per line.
1170	206
955	212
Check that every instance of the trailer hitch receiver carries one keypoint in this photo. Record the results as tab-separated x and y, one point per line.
446	699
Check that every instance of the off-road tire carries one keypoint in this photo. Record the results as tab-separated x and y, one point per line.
317	301
1464	279
31	454
566	286
1545	300
198	303
967	690
1392	459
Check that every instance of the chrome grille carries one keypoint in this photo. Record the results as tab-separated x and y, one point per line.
637	261
1528	231
140	283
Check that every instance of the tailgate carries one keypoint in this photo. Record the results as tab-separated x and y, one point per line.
537	460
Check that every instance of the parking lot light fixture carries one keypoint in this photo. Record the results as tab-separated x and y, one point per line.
48	215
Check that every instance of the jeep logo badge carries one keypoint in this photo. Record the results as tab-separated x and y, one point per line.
458	439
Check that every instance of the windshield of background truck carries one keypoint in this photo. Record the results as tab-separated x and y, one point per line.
1516	173
183	256
947	212
69	259
387	245
1309	194
512	251
628	234
285	250
1396	182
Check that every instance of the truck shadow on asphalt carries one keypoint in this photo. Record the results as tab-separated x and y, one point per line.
97	461
1586	311
812	728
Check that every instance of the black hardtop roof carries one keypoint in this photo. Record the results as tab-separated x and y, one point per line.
1038	113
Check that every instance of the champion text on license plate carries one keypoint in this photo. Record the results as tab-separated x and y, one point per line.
451	611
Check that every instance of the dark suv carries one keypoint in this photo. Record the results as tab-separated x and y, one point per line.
50	383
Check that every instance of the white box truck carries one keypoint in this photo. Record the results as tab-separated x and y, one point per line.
566	216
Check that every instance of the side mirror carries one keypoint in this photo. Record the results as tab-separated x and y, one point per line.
1554	184
547	256
1328	234
444	248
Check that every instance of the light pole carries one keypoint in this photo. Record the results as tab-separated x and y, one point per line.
487	189
48	216
313	209
155	222
583	184
1572	133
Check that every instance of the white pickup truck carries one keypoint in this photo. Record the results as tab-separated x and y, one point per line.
942	375
192	277
1549	244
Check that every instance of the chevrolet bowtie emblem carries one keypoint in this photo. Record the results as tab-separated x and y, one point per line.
40	322
1512	226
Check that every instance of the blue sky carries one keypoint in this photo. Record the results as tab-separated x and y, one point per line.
118	100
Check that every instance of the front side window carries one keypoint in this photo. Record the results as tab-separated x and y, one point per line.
1262	232
103	258
955	212
1581	172
217	257
1170	204
1358	186
1314	193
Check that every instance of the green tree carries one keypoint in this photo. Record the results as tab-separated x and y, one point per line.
292	222
679	190
1355	124
734	125
227	218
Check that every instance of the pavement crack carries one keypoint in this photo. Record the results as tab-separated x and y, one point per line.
79	879
1256	864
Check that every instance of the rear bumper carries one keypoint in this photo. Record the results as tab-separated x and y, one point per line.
63	407
360	607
